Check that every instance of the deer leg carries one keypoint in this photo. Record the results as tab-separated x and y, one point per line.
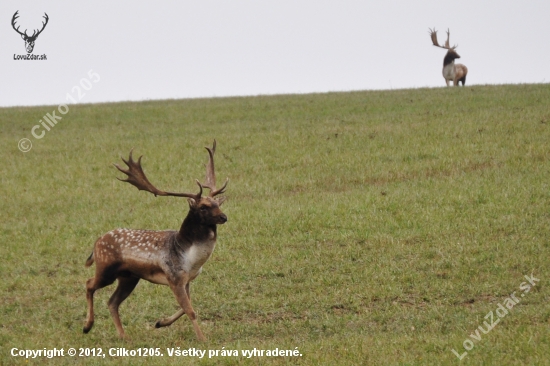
99	281
168	321
181	293
447	82
125	287
90	289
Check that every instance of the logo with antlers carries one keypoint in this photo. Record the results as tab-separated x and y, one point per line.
29	40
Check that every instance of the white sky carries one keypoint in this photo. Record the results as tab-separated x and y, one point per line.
185	49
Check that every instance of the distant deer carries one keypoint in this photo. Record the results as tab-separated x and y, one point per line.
29	40
451	71
172	258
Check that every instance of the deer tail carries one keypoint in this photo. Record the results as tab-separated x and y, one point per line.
90	260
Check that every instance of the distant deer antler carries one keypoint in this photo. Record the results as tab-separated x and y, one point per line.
433	34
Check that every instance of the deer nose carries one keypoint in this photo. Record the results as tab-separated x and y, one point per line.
223	218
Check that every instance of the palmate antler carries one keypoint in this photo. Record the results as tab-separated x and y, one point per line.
433	35
210	180
137	178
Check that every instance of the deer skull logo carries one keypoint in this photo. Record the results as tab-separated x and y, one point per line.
29	40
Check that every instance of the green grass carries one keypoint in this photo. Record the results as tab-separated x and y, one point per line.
364	228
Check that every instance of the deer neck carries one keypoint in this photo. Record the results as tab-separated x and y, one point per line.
192	231
449	60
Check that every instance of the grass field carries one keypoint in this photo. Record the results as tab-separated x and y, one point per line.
364	228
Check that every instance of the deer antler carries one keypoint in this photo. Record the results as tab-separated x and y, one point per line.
433	35
34	34
137	178
13	19
43	26
210	181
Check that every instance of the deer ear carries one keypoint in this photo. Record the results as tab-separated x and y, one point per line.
192	202
220	200
23	36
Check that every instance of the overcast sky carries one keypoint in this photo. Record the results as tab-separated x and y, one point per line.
142	50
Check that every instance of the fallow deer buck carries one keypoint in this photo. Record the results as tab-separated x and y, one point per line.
170	257
451	71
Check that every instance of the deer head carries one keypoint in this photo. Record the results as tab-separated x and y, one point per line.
29	40
450	50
